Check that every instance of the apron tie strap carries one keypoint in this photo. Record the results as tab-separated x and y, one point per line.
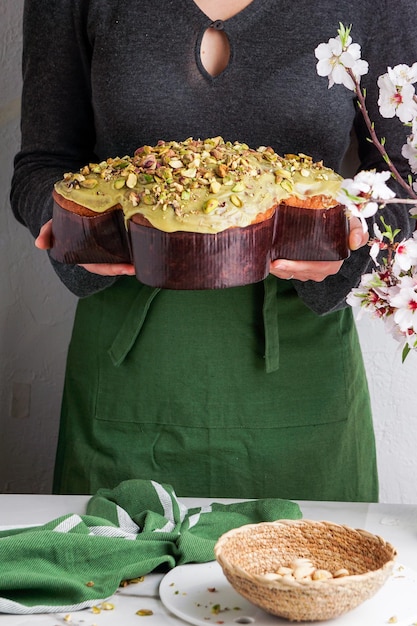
136	316
270	317
132	324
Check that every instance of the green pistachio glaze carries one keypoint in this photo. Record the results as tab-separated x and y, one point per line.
198	186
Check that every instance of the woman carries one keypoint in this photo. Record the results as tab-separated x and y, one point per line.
255	391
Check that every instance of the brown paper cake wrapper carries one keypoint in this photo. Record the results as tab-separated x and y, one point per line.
310	234
183	260
92	238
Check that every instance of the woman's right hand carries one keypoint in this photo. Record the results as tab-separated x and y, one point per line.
44	242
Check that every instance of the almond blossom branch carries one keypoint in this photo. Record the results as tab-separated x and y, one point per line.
377	143
389	291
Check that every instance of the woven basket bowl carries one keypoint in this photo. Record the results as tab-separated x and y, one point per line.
247	553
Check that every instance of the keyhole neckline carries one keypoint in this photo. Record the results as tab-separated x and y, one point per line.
213	50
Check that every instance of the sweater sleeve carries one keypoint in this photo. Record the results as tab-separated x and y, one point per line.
391	42
57	121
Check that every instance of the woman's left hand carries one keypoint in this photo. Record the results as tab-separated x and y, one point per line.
319	270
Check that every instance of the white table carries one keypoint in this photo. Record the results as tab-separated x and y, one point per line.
395	523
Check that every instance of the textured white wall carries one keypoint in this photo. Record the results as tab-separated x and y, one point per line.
36	315
393	387
35	311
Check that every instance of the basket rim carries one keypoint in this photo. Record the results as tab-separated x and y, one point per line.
293	583
300	522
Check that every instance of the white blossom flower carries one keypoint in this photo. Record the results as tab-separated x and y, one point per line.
377	232
355	298
358	296
375	250
402	74
405	302
372	295
376	183
363	194
376	244
405	255
396	100
335	57
409	152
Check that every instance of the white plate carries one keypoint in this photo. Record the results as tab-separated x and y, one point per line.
187	591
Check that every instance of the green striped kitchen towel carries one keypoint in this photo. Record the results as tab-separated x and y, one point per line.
77	561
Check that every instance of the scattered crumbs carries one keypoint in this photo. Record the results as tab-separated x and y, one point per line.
144	612
172	585
215	609
176	592
211	589
96	610
237	608
399	573
393	620
132	581
68	618
89	584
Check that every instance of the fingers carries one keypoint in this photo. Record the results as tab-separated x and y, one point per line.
109	269
44	240
319	270
304	270
281	268
357	236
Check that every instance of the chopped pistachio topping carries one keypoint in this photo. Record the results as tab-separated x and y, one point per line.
198	185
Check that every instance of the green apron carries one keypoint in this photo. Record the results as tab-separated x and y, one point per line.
240	392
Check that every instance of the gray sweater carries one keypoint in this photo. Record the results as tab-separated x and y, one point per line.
103	77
